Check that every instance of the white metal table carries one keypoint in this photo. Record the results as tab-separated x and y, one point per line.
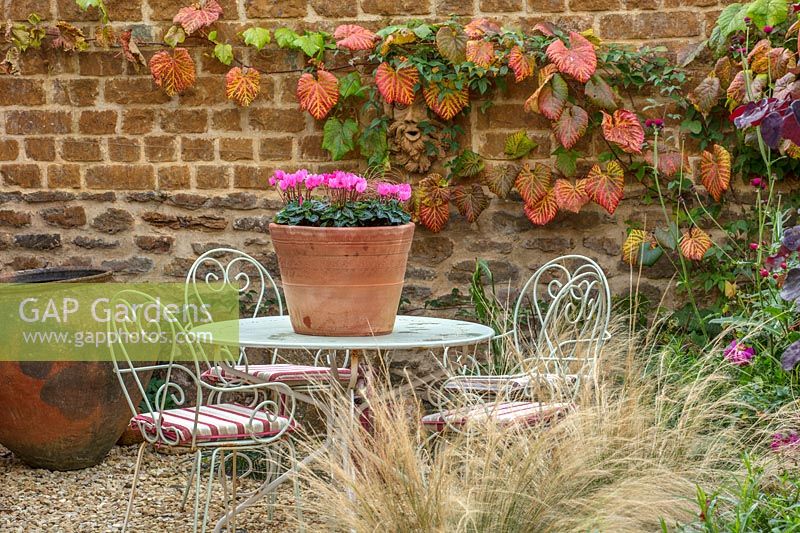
275	332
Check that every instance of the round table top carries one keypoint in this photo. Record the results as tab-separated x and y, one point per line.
409	332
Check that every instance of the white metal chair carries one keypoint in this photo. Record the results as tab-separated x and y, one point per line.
561	320
250	278
254	423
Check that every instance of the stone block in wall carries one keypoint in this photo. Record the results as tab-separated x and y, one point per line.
272	9
21	91
40	148
334	8
131	265
158	244
97	122
78	92
396	7
14	219
113	221
174	177
64	217
429	249
202	222
21	175
503	271
9	150
35	122
94	243
212	177
41	197
120	177
63	176
38	241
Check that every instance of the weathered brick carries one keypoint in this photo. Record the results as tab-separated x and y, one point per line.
9	150
174	177
83	149
251	177
132	265
26	176
14	219
594	5
198	149
158	244
90	243
275	149
645	25
79	92
40	148
202	222
396	7
160	148
453	7
236	200
546	6
334	8
271	9
257	224
113	221
64	217
500	6
124	149
120	177
138	121
212	177
22	10
227	120
205	92
188	200
42	197
63	176
38	122
21	91
140	91
184	121
97	122
271	119
38	241
100	64
236	149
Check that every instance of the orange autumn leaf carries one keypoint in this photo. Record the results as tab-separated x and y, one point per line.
715	171
578	60
446	101
319	94
543	210
606	188
396	86
173	72
571	196
242	85
695	243
623	129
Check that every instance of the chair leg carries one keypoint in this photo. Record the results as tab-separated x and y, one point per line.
211	470
198	481
298	502
189	482
136	471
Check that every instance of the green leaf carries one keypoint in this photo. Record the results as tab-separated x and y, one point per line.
729	21
350	85
649	254
224	52
338	137
467	164
310	43
374	145
175	35
423	31
767	12
518	145
256	37
286	37
212	36
692	126
667	237
566	161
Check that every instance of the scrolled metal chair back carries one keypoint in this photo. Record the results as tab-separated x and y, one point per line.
563	313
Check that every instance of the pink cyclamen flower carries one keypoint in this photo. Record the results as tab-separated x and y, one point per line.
361	185
404	192
739	354
781	441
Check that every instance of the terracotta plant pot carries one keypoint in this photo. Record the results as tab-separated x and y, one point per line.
60	415
342	281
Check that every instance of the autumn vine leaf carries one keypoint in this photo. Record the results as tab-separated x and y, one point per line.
242	85
518	145
480	52
520	63
571	196
354	37
470	201
174	72
715	171
571	126
445	100
641	246
69	38
480	27
553	98
130	51
194	17
695	243
579	60
501	179
705	96
623	129
543	210
319	94
452	44
432	199
600	93
669	163
396	86
533	183
546	73
606	188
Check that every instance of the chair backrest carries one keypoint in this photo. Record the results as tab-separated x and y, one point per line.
564	311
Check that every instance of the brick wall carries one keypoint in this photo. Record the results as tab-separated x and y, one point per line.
101	168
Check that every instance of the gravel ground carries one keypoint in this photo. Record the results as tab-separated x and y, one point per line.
94	499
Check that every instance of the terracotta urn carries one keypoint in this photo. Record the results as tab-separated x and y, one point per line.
342	282
60	415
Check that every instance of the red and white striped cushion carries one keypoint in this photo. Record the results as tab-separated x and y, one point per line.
502	413
225	421
280	373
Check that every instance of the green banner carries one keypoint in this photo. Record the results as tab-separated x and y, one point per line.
100	321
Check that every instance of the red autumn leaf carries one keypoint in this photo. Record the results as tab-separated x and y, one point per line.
480	52
319	94
553	98
501	179
130	51
396	86
242	84
579	60
571	126
669	163
445	100
521	63
432	198
705	96
173	72
695	243
715	171
546	74
623	128
542	210
533	183
354	37
600	93
480	27
571	196
195	16
69	38
606	188
737	90
434	217
470	201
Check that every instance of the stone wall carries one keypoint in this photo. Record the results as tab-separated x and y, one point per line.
100	168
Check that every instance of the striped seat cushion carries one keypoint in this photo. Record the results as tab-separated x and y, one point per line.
280	373
225	421
502	413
